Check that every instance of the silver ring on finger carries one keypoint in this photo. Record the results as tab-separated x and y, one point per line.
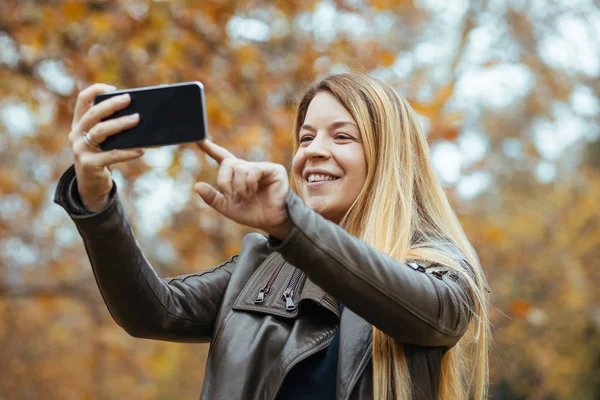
89	141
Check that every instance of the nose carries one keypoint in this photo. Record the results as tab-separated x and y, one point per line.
318	148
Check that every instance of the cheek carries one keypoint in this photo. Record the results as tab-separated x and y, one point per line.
356	169
297	164
355	164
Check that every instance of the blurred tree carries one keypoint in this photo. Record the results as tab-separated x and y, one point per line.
510	86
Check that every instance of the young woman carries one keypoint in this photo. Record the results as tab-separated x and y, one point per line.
365	287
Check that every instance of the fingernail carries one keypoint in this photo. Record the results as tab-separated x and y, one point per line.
134	117
123	97
140	151
113	88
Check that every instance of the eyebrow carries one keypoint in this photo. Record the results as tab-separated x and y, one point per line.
334	125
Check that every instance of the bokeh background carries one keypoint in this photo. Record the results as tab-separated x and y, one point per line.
507	90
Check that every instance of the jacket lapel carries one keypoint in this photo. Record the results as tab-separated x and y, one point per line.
356	340
311	291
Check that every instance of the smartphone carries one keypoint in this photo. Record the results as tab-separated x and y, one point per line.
169	114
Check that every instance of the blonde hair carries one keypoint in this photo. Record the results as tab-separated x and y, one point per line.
401	186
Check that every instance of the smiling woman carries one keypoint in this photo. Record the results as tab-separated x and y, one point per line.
365	287
329	167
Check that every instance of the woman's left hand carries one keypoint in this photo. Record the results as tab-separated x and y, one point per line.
250	193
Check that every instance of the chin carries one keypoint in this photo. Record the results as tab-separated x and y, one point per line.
323	208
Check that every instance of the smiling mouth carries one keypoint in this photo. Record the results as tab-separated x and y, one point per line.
312	178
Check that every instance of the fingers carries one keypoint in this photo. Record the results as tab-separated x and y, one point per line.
240	175
225	177
103	159
102	130
252	179
239	179
86	98
211	196
101	110
214	151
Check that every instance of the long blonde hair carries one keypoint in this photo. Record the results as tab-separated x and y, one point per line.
401	186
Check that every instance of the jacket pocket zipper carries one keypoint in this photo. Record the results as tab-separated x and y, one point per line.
291	288
264	291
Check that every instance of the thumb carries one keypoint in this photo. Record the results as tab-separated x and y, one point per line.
210	195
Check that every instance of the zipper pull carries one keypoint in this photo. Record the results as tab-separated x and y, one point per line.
289	303
261	295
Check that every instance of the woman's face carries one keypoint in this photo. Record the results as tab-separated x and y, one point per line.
329	167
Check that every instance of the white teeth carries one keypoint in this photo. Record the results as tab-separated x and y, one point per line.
316	178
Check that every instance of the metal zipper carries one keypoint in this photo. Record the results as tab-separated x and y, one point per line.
439	296
458	303
264	291
304	356
333	303
291	288
439	274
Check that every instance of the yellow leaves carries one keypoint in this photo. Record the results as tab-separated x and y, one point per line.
403	6
387	58
443	93
520	308
444	124
161	362
8	182
31	36
216	115
100	24
382	5
159	18
439	100
107	68
174	169
249	137
47	301
493	234
539	247
73	10
292	7
247	54
173	53
114	339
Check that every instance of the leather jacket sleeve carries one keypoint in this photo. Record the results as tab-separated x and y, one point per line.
406	302
180	309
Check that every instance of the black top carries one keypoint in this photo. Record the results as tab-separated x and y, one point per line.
315	377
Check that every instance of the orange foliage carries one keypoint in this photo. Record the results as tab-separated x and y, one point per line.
538	243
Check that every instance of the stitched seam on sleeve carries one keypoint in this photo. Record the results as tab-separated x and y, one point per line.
169	312
365	279
199	274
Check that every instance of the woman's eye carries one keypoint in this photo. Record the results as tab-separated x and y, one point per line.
305	139
342	136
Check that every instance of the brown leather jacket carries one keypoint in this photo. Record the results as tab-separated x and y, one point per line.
272	306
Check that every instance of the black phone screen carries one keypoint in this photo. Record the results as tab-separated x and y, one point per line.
169	114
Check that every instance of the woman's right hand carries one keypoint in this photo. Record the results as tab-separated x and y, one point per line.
93	166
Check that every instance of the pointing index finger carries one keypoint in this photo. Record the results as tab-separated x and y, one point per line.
214	151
